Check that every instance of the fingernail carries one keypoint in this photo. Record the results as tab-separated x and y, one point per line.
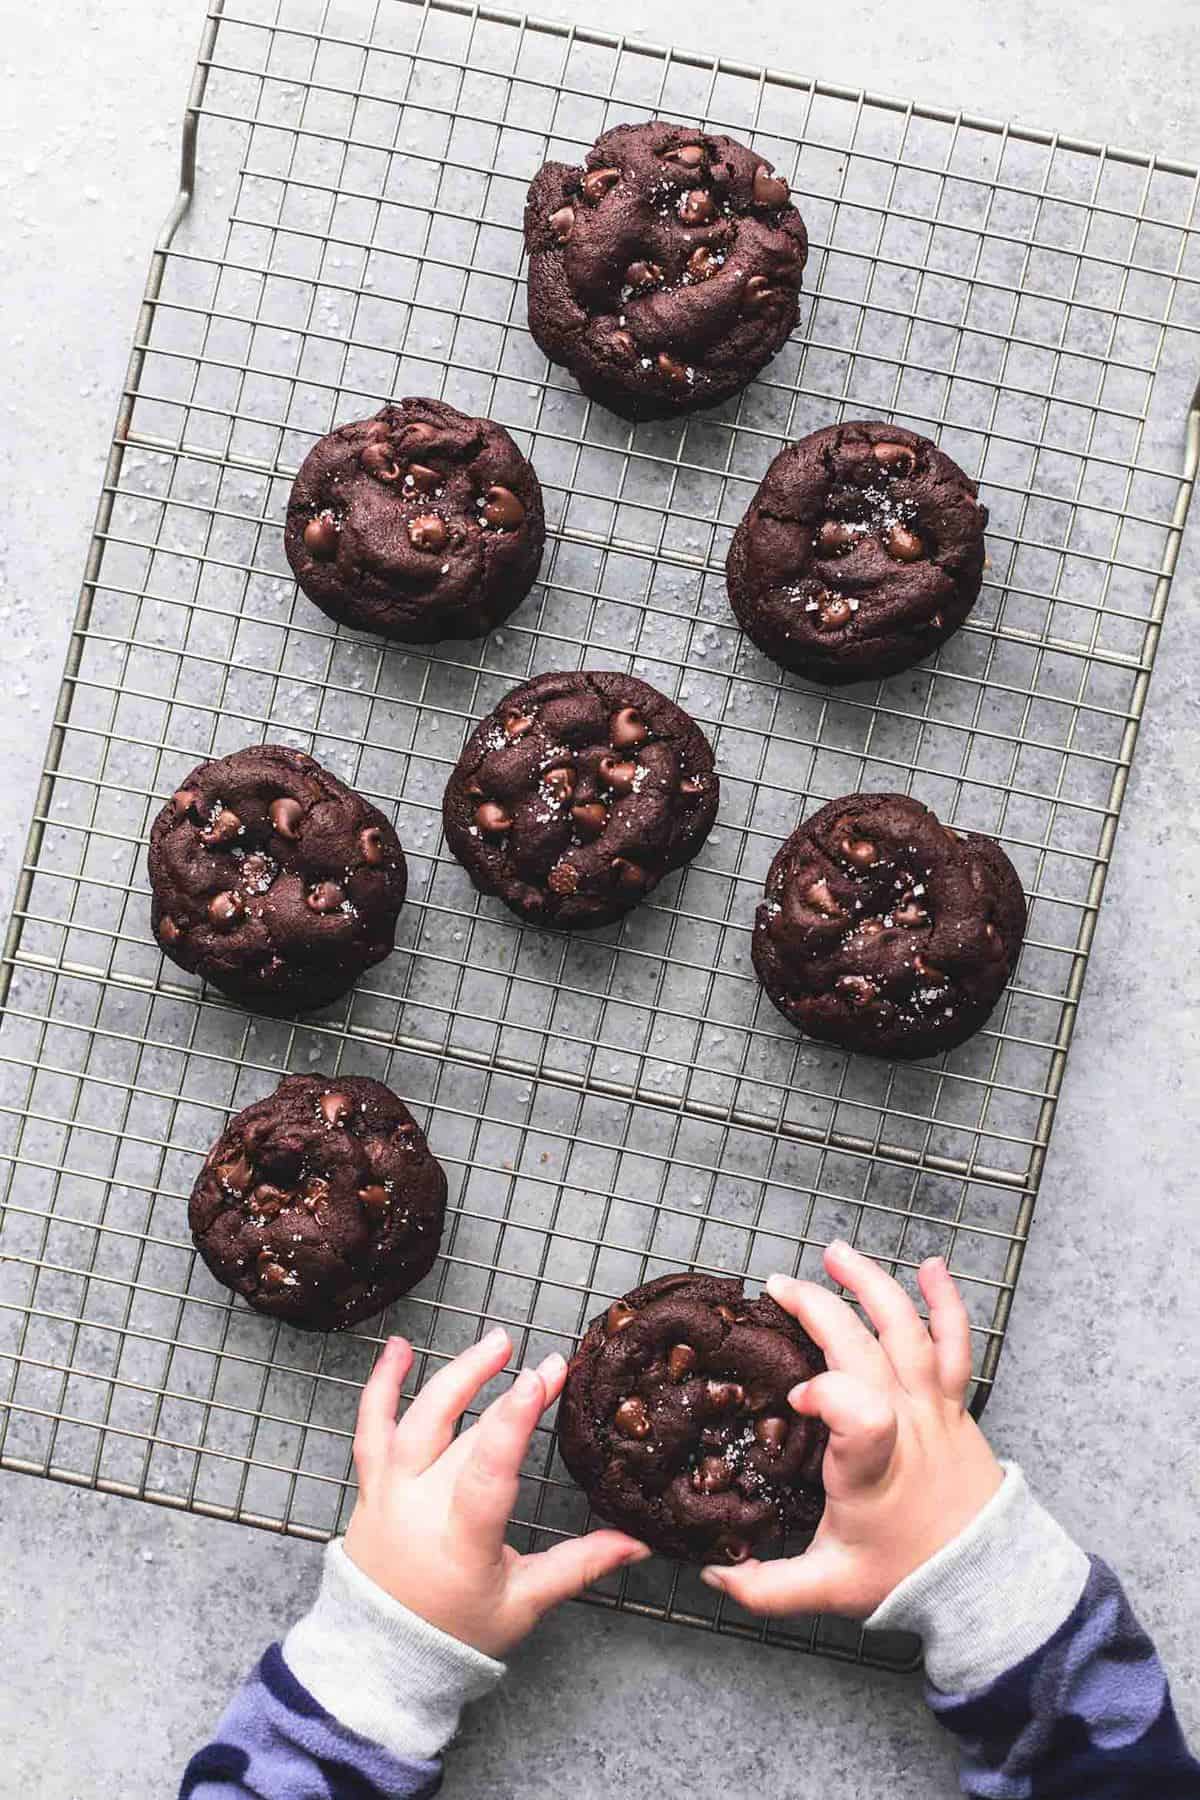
638	1553
778	1283
495	1337
840	1244
713	1578
394	1345
796	1394
526	1386
935	1262
551	1368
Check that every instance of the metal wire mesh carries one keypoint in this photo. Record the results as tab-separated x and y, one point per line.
614	1105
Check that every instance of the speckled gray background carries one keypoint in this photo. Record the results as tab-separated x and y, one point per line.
122	1627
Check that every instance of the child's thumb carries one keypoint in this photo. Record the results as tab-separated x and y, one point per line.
814	1582
566	1569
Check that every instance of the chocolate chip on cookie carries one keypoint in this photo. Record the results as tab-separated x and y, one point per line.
665	272
861	553
273	880
883	930
321	1204
577	795
675	1422
418	524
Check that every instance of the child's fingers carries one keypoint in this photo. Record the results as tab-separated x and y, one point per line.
901	1331
553	1373
376	1424
835	1326
810	1583
861	1421
428	1425
950	1327
558	1574
490	1455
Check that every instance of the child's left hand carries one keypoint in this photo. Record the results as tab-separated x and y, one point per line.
429	1523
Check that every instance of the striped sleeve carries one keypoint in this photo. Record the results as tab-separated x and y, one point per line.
1088	1714
355	1704
275	1741
1036	1663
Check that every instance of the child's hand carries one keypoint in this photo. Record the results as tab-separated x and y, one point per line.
429	1523
906	1466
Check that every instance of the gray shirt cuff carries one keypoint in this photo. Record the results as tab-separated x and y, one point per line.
378	1668
993	1595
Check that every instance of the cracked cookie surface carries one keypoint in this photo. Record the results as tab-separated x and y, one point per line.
418	524
860	554
884	930
675	1423
664	272
575	797
274	880
321	1204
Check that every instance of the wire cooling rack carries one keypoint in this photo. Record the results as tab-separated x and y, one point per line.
608	1106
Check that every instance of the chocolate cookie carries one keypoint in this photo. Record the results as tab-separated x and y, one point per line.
273	880
419	524
884	930
675	1423
321	1204
861	552
577	795
664	273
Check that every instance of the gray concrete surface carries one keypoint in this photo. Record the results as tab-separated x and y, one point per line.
122	1627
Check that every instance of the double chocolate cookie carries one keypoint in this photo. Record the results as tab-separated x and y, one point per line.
418	524
664	273
577	795
861	552
273	880
321	1204
883	930
675	1423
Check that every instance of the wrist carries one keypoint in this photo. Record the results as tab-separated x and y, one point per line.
993	1595
379	1668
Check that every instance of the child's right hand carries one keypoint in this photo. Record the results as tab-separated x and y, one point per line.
906	1468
